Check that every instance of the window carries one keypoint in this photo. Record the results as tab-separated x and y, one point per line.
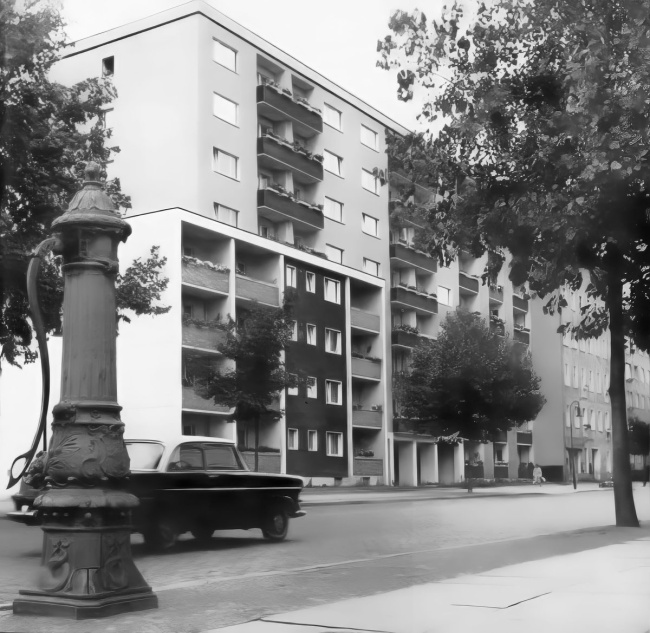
606	387
332	162
225	109
599	384
368	137
592	386
332	341
578	416
225	163
294	330
292	391
107	118
332	290
310	282
312	440
333	392
371	267
333	210
334	254
220	457
108	66
225	214
188	310
607	423
188	429
292	439
370	225
444	295
567	416
311	334
369	182
312	387
599	421
334	444
332	117
290	276
186	457
567	375
575	376
224	55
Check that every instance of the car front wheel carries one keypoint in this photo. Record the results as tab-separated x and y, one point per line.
276	524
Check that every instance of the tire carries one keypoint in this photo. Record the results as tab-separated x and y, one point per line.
161	535
202	532
276	524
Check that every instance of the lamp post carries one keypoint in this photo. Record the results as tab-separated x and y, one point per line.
86	567
571	456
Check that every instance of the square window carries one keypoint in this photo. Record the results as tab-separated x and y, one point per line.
567	375
332	163
311	334
310	282
332	341
292	439
332	117
312	387
333	210
371	267
444	295
224	55
294	330
225	109
368	137
333	392
334	254
334	444
188	251
107	118
292	391
290	276
188	310
225	214
369	182
312	440
332	290
108	66
370	225
225	163
189	429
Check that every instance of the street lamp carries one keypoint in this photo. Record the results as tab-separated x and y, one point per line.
87	570
573	415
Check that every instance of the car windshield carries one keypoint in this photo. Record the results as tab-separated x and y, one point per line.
221	457
205	456
144	455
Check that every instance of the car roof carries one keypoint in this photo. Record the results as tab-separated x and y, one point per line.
181	439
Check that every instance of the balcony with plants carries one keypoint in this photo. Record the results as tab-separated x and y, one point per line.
521	334
404	253
496	293
404	335
497	325
365	366
205	274
467	283
194	368
414	297
281	104
277	204
203	334
367	450
276	153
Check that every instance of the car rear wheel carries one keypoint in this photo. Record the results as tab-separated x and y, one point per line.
161	535
276	524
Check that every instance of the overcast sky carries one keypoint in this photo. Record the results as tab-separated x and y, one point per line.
337	38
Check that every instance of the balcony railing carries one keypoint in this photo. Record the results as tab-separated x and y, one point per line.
525	438
204	276
279	155
501	472
474	471
257	290
518	303
367	417
368	467
403	256
404	339
364	368
413	300
497	327
364	320
496	293
277	106
267	462
202	337
467	283
279	208
521	336
194	402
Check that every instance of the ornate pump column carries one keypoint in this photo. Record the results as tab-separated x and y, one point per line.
87	570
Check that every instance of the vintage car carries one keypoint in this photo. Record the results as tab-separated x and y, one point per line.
198	485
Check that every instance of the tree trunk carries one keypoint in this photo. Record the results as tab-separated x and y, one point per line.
257	442
623	498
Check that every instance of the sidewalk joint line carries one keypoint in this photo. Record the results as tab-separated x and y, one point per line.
323	626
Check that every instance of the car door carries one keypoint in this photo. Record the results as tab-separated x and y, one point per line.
187	488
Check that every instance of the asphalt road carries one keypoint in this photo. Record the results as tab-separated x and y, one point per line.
337	551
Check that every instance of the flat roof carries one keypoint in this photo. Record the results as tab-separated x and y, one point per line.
199	7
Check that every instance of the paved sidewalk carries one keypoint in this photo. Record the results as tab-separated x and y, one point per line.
600	591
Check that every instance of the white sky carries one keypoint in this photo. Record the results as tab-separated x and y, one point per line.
337	38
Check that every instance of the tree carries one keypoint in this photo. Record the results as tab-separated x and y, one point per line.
542	152
48	132
469	381
255	343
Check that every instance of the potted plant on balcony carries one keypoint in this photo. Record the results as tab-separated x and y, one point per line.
377	407
364	452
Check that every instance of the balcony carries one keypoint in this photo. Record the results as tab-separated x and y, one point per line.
521	336
500	437
257	290
207	275
279	155
401	338
525	438
280	207
412	300
497	327
402	256
267	462
501	472
368	418
368	467
194	402
467	284
366	369
474	471
279	106
364	320
202	337
519	304
496	293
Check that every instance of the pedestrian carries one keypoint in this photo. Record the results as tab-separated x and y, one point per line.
537	475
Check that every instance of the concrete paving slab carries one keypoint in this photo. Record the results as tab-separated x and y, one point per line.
258	626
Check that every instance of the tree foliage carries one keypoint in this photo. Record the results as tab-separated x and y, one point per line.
48	132
542	151
470	381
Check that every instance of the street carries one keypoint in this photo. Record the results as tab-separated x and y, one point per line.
336	551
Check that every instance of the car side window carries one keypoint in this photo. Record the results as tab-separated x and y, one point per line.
220	457
187	458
